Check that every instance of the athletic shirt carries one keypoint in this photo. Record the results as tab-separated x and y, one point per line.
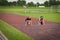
41	19
28	19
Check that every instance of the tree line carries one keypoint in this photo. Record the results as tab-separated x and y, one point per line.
29	4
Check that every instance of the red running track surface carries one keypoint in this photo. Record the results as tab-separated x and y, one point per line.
49	31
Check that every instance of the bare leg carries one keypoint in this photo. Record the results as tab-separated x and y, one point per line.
30	22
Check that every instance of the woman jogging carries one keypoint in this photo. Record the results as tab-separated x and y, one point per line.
28	21
41	20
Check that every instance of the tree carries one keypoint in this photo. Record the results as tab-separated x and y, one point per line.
37	4
14	3
30	4
21	2
3	2
46	3
10	3
52	2
58	2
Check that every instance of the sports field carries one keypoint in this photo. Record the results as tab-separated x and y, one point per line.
12	33
48	13
12	23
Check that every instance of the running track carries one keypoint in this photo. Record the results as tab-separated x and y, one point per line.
49	31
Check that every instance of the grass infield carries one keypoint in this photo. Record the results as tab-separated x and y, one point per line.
11	33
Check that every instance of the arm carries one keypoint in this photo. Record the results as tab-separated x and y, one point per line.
43	22
25	20
39	20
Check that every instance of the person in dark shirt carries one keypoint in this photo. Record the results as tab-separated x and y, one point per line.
41	20
28	20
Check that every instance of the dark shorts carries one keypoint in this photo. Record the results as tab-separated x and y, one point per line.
41	23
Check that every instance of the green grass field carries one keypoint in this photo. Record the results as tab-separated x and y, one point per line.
48	13
12	33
